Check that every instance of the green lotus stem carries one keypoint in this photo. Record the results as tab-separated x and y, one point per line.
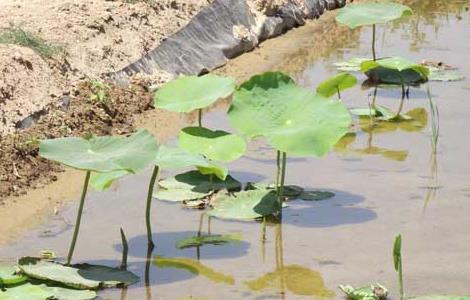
400	280
278	166
339	95
374	98
402	102
283	177
201	222
79	218
125	250
373	42
148	206
199	117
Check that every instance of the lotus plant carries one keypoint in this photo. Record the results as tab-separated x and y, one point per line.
102	155
336	84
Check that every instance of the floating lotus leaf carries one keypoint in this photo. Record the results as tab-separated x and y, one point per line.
193	267
316	195
351	65
440	297
188	93
9	276
102	154
395	70
294	278
81	277
246	205
108	276
436	74
291	118
214	239
289	191
41	292
217	145
412	121
335	84
371	292
193	185
369	13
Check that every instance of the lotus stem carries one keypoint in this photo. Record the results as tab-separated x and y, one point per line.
339	95
148	287
278	169
148	206
373	42
79	218
199	117
263	230
283	177
209	218
125	250
400	280
402	102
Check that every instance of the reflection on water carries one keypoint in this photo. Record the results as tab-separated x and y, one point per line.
293	279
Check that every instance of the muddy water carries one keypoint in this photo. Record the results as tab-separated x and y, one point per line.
386	182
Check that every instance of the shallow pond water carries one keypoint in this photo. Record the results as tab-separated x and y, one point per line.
386	182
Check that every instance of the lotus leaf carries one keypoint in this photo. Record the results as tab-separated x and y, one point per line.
370	13
188	93
193	267
371	292
351	65
395	70
9	276
103	181
102	154
297	279
217	145
436	74
81	277
336	84
41	292
201	240
193	185
292	119
289	191
245	205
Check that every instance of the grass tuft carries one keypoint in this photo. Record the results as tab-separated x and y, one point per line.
18	36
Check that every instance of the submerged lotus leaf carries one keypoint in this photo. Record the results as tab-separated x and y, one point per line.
213	239
41	292
316	195
296	279
369	13
395	70
81	277
9	276
351	65
194	267
188	93
335	84
371	292
193	185
102	154
440	297
217	145
246	205
291	118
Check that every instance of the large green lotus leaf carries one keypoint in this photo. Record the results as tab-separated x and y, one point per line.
108	276
394	70
213	239
339	82
9	276
370	292
194	267
188	93
292	119
296	279
81	277
42	292
217	145
193	185
440	297
102	154
369	13
103	181
246	205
